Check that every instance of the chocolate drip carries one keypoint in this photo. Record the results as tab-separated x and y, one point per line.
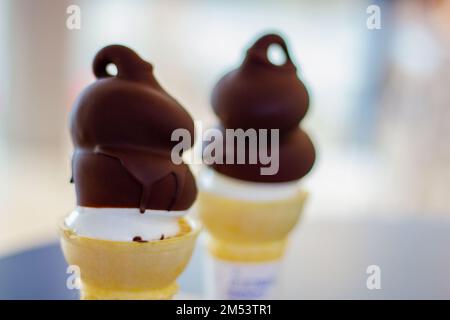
261	95
134	160
121	127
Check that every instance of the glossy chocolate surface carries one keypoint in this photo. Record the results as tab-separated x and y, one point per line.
262	95
121	129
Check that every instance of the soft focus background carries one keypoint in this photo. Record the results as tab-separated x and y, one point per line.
380	111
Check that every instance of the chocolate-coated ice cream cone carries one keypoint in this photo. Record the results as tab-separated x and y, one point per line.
248	231
129	235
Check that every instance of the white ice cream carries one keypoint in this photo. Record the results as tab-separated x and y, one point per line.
214	182
123	224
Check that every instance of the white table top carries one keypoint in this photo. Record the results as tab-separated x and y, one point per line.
326	259
329	259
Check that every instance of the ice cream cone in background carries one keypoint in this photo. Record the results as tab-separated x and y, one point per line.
130	234
249	214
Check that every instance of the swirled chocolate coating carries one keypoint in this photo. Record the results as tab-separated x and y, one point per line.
261	95
121	129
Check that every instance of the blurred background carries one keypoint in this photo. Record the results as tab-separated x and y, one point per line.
379	116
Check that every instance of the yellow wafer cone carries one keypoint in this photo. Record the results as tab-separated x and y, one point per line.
247	239
244	230
129	270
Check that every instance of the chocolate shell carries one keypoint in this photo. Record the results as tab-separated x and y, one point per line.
262	95
121	129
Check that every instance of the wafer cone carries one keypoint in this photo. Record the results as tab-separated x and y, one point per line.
129	270
245	230
246	238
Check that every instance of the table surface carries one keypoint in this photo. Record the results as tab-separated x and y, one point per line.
325	260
